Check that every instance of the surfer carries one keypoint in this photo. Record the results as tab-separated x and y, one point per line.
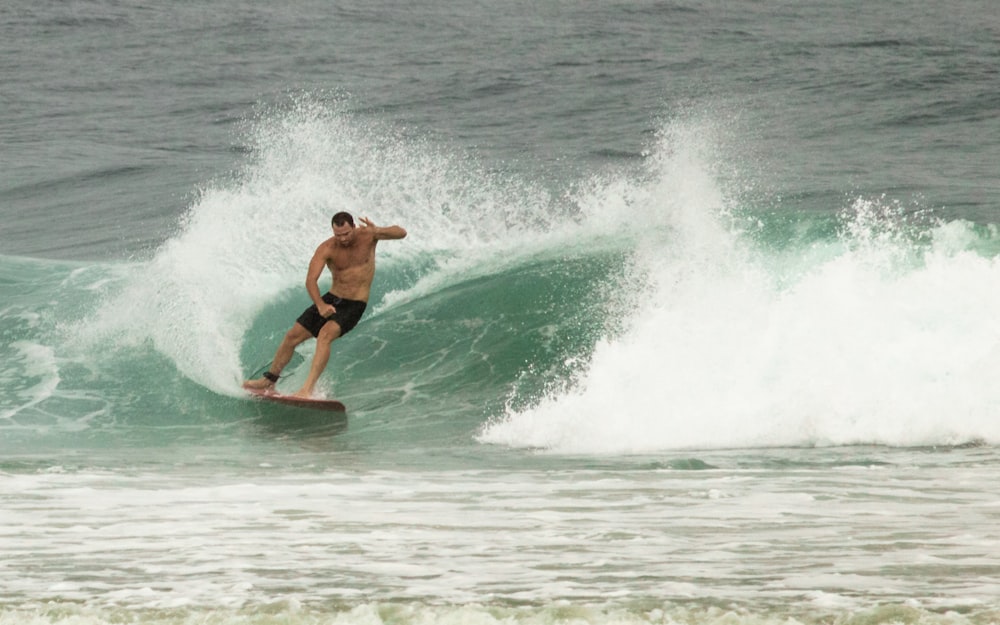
350	256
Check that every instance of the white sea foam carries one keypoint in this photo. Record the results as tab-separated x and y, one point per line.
559	613
888	335
260	539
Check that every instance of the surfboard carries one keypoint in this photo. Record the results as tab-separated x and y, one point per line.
299	402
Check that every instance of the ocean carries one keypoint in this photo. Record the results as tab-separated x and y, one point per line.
696	321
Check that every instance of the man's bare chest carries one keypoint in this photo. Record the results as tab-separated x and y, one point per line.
350	258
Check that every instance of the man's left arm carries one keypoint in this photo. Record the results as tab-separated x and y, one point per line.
386	233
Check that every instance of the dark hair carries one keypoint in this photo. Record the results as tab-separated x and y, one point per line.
342	218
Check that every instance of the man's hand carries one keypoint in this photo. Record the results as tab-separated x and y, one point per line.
326	310
367	223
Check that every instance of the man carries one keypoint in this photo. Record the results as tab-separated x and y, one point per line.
350	256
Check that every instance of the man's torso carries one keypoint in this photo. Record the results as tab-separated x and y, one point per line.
353	267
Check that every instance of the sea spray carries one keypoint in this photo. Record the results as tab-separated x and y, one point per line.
245	241
887	336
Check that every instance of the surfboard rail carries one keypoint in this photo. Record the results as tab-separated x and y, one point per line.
272	395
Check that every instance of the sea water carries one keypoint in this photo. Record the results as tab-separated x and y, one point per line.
695	322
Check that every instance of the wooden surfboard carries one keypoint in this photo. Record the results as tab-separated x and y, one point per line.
272	395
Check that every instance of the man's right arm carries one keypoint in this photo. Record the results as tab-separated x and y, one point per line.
316	266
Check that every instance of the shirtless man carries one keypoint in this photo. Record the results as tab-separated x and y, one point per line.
350	255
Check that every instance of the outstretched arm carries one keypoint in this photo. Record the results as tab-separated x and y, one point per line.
386	233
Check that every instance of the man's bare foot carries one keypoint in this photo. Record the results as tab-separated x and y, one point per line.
303	393
259	384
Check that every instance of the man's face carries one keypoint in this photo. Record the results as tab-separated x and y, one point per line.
343	235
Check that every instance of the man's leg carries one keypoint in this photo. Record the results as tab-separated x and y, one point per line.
327	335
293	338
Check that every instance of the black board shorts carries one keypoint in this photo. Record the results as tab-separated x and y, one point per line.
348	314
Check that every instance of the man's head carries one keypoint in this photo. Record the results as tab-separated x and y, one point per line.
343	228
342	218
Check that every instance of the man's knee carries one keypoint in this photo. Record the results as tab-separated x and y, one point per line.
329	331
297	334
